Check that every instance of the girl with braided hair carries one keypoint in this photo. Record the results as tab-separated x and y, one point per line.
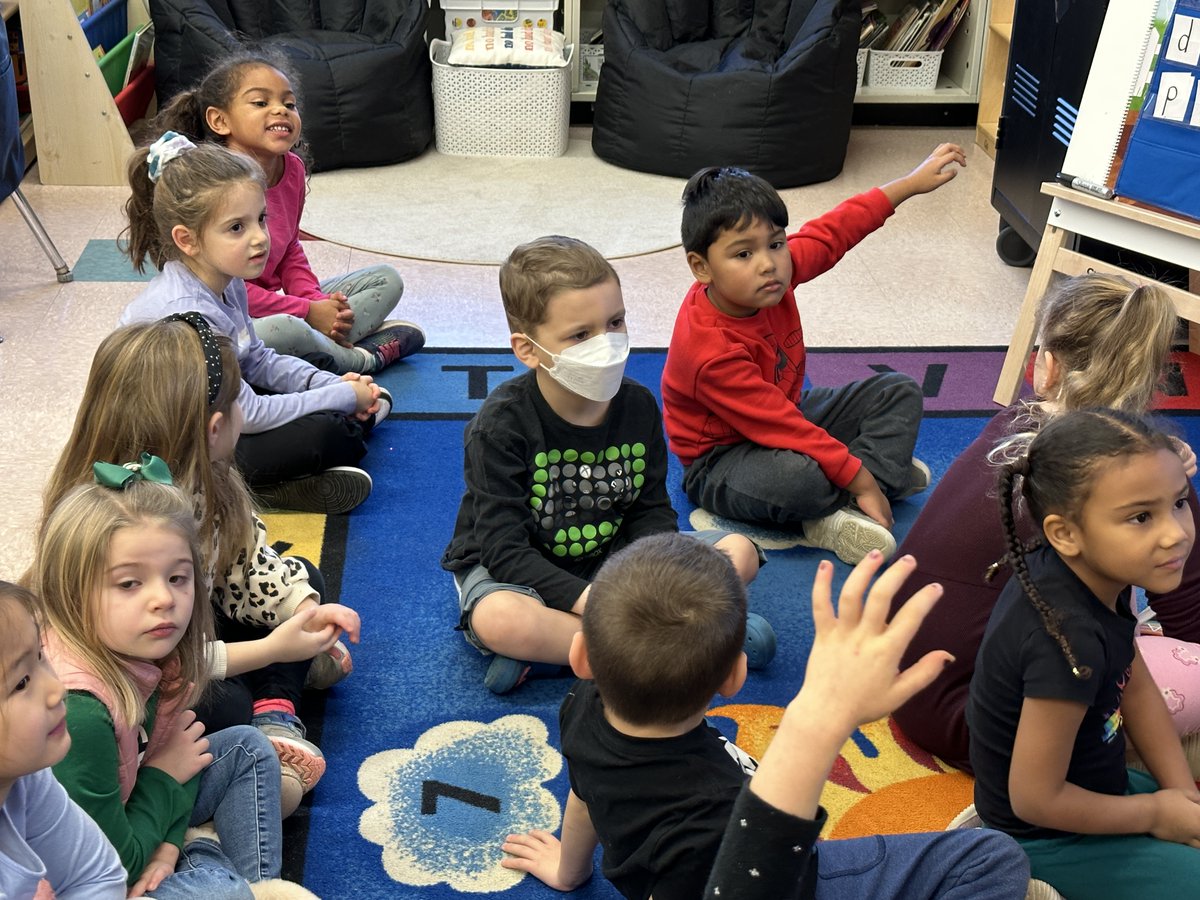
1060	686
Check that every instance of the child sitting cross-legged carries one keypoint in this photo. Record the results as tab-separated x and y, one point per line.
656	785
563	465
828	461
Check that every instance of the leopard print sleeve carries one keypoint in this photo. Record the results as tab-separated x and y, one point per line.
262	587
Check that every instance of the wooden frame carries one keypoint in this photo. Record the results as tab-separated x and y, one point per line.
1074	213
81	138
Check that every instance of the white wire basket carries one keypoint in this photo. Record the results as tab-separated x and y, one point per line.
486	111
904	70
862	66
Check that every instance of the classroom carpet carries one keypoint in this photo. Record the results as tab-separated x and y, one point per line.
428	771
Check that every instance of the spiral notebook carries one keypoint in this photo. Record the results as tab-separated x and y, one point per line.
1117	87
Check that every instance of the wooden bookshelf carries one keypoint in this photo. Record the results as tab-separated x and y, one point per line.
81	137
995	68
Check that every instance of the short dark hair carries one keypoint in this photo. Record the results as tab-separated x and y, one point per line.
664	624
720	198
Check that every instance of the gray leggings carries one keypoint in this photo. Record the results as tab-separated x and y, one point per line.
877	419
372	293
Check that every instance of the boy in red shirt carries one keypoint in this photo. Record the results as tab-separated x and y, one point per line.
753	446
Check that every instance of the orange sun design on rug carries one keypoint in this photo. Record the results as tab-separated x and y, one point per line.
881	783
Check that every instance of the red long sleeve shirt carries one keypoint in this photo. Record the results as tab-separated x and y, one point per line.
730	379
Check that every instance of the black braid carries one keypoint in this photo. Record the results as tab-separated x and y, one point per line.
1016	557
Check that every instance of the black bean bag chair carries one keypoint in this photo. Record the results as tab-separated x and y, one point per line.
763	84
365	80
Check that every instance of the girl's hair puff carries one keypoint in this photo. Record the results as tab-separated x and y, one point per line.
188	192
1056	476
1111	337
16	603
148	391
185	113
69	573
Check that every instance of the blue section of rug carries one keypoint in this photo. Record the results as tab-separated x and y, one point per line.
102	260
427	769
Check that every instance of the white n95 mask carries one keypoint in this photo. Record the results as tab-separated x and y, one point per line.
592	368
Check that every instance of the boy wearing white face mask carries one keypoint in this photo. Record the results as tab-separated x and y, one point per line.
563	465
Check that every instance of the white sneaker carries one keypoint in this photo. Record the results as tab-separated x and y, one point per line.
918	481
850	534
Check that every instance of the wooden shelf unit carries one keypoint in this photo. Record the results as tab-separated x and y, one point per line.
995	68
81	137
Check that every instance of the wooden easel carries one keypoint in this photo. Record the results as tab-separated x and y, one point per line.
1077	213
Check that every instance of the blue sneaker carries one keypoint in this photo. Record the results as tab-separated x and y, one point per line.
760	642
504	674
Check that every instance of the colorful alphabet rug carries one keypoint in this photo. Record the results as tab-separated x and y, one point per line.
428	771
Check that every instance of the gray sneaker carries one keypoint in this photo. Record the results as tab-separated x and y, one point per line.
850	534
919	479
394	340
336	490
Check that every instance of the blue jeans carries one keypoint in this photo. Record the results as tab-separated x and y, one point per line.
968	864
239	792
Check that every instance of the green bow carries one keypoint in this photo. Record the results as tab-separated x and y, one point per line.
147	468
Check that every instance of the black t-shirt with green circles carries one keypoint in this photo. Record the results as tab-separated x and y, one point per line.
547	501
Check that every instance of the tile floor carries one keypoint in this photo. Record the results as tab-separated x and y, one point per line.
929	277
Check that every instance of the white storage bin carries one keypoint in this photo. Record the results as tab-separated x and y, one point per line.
480	111
904	70
861	60
462	14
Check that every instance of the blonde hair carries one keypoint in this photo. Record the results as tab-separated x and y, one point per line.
535	272
69	570
1111	337
188	192
148	391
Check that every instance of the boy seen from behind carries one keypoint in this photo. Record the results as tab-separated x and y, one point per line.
656	785
753	446
563	465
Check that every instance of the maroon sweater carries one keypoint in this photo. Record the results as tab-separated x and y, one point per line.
955	538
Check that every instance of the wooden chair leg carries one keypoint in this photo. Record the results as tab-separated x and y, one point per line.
1017	358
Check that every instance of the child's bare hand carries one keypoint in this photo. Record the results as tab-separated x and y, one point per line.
936	170
539	854
1187	454
853	668
294	641
1176	817
869	497
162	863
365	396
341	619
328	318
185	752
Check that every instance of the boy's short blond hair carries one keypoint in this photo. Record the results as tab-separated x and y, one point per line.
664	625
538	270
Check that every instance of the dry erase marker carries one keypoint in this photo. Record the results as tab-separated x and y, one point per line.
1082	184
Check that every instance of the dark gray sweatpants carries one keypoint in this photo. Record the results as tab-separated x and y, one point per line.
877	418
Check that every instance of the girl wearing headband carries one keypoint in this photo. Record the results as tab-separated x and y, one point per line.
198	214
170	388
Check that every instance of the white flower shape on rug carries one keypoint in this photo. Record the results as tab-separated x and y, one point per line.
442	809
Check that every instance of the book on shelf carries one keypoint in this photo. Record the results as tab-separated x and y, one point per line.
924	26
139	53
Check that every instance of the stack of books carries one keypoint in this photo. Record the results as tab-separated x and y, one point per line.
921	26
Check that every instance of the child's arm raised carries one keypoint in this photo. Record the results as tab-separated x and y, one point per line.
853	677
930	175
563	865
1148	726
1041	795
